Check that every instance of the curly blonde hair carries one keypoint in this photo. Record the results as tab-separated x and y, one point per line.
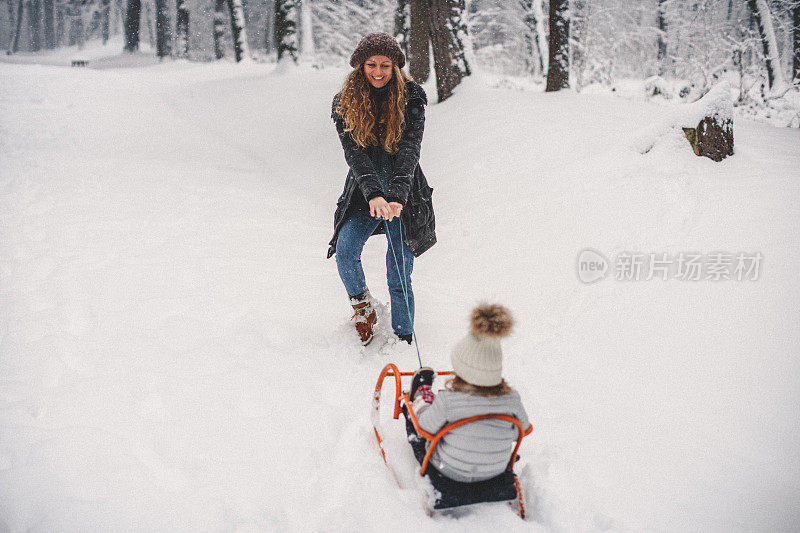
359	111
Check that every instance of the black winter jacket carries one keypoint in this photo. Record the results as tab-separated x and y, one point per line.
408	185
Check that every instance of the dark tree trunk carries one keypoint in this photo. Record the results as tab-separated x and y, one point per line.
49	25
18	30
661	23
770	56
35	22
446	30
12	21
182	29
219	28
163	29
238	29
132	18
558	69
105	20
419	64
796	54
402	24
286	29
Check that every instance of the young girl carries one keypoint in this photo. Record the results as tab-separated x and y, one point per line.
479	450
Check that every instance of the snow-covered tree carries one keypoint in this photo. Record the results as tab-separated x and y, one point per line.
163	30
448	32
238	31
219	28
533	54
402	24
132	22
182	29
579	39
661	25
49	24
763	18
558	63
796	38
306	28
286	29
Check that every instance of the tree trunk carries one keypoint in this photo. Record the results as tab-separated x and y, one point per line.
60	24
132	25
661	23
49	25
763	19
182	29
77	30
18	30
106	20
219	28
419	55
148	22
238	30
711	138
796	59
35	23
286	29
533	54
269	32
163	29
541	36
447	34
402	24
578	25
306	28
558	63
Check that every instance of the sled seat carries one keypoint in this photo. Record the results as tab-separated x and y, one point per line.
451	493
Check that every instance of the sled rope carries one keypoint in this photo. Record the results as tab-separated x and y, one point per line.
403	284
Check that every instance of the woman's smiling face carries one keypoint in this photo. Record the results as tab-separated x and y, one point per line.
378	70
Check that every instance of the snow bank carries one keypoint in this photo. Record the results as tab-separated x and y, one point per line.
717	102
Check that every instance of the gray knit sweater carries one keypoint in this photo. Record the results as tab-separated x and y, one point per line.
475	451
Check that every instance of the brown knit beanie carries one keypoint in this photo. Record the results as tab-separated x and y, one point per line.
377	44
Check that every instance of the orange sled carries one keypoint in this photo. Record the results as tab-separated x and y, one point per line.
450	493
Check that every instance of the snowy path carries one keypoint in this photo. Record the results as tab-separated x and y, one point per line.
174	348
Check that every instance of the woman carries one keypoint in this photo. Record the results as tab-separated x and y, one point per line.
380	116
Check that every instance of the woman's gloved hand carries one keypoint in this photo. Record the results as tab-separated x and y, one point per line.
380	208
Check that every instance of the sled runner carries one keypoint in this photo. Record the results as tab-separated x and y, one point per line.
450	493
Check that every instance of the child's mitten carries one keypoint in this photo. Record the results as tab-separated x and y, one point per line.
425	393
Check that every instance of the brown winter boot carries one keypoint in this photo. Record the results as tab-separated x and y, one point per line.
365	318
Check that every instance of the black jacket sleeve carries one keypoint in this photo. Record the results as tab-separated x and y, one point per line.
407	158
357	158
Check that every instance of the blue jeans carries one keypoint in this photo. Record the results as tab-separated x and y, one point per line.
354	233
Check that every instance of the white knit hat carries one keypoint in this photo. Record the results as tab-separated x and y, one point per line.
478	357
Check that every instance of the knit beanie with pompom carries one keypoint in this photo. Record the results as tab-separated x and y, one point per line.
377	44
478	357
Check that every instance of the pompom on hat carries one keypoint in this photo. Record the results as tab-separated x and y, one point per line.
377	44
478	357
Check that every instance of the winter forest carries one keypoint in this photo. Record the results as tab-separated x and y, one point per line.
681	46
244	262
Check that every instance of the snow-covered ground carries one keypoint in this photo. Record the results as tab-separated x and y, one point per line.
175	352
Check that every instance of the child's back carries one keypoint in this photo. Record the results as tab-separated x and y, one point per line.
478	450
